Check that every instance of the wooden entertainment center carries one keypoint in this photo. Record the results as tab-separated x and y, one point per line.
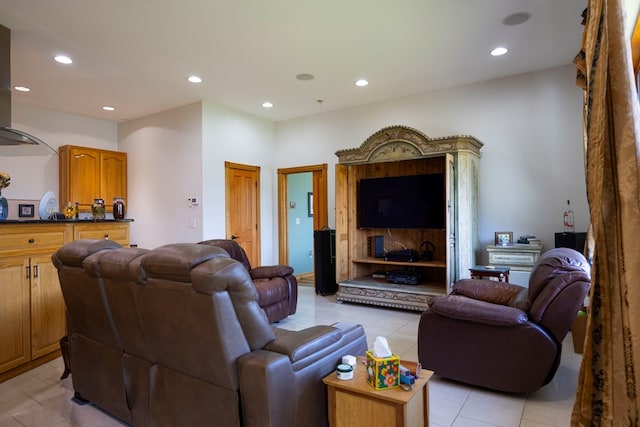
401	151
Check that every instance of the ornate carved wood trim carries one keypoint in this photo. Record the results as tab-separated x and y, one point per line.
403	142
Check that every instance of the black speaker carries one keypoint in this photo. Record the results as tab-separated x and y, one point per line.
324	248
571	240
375	246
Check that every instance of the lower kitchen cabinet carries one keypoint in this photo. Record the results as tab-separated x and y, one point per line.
32	310
32	317
47	307
117	231
15	344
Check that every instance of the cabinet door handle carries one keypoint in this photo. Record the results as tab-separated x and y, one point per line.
28	272
32	240
106	237
35	271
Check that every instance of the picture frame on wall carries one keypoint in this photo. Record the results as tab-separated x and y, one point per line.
25	211
504	238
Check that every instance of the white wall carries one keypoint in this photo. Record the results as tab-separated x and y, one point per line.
180	153
164	163
532	160
233	136
32	176
632	7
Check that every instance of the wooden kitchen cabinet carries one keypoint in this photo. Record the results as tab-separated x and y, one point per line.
48	323
90	173
32	317
117	231
14	317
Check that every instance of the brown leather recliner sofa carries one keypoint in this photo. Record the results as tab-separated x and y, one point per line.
174	336
504	336
276	285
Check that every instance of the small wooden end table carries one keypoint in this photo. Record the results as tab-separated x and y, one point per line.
354	403
482	271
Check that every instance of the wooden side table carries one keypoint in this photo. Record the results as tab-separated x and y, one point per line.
482	271
354	403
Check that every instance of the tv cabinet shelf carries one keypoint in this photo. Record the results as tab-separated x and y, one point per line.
381	261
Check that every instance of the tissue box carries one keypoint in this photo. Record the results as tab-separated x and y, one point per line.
383	372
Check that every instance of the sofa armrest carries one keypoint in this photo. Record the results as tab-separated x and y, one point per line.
488	290
265	378
309	342
267	272
471	310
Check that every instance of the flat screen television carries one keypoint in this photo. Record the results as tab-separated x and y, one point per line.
412	201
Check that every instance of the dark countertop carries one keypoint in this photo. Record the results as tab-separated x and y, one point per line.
61	221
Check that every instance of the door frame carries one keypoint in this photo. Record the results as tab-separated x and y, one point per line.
320	203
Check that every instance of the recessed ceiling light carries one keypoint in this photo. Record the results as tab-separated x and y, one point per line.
22	88
267	104
63	59
194	79
107	108
499	51
305	76
516	18
362	82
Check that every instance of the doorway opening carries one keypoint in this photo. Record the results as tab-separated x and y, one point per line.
302	196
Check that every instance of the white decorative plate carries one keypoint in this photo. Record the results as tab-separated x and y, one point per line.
48	205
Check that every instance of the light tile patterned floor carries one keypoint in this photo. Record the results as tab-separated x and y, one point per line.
39	399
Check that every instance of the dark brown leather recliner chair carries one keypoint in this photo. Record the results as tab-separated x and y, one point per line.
501	336
174	336
276	285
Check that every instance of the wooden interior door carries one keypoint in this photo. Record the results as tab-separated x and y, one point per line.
243	208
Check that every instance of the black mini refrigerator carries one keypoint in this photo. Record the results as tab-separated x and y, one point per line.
324	248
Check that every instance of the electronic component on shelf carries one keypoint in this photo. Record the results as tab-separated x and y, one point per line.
375	246
403	255
403	277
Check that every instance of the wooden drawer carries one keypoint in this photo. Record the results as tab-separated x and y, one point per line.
32	238
118	232
512	258
520	257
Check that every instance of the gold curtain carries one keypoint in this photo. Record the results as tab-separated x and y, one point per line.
607	393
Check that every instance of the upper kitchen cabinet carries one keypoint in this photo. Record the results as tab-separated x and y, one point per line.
90	173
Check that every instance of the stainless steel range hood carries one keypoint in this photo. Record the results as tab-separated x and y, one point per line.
14	142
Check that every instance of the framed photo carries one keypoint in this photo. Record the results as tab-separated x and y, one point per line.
310	204
25	211
504	238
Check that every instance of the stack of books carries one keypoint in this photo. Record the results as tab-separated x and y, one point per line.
530	240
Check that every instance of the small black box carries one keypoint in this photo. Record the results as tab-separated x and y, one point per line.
375	246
